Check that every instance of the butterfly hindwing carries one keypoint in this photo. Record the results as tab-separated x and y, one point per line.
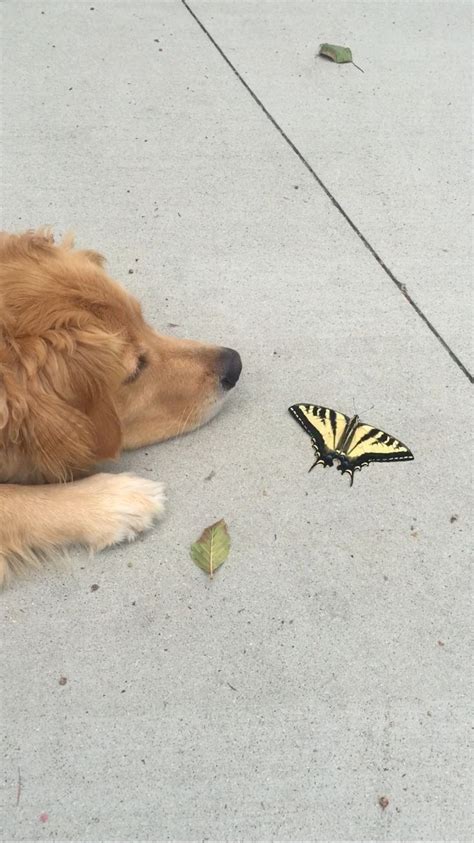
325	426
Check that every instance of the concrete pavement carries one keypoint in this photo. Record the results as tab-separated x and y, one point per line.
327	663
393	145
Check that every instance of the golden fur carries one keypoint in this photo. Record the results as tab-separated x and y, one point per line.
82	376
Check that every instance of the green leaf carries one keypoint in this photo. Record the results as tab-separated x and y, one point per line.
341	55
338	54
212	547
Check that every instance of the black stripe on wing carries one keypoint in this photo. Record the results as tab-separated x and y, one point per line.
333	422
371	434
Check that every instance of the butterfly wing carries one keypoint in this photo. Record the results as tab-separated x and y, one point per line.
369	444
325	427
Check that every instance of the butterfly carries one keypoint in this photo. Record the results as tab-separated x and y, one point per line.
352	443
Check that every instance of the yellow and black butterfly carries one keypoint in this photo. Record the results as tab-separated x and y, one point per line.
352	443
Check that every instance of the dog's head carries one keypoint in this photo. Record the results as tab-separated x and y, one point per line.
81	373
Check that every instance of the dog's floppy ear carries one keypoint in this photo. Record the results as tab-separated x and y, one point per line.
107	433
66	439
71	423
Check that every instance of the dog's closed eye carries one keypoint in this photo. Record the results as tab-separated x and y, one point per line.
142	363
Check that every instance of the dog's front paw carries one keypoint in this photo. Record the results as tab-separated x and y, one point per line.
119	506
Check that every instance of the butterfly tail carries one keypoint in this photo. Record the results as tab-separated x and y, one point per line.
318	461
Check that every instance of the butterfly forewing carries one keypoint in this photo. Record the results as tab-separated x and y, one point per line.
325	426
372	445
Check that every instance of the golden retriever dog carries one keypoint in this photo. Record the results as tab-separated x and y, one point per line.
82	376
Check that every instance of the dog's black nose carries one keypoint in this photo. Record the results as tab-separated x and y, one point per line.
230	367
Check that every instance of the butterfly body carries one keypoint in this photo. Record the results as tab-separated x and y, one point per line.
352	443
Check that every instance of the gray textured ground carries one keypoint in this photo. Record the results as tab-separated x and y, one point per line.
327	664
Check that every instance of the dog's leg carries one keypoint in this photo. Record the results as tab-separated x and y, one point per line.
95	512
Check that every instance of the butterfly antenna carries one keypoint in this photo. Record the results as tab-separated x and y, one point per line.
363	412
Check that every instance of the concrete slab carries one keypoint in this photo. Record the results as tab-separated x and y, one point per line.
325	666
393	145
